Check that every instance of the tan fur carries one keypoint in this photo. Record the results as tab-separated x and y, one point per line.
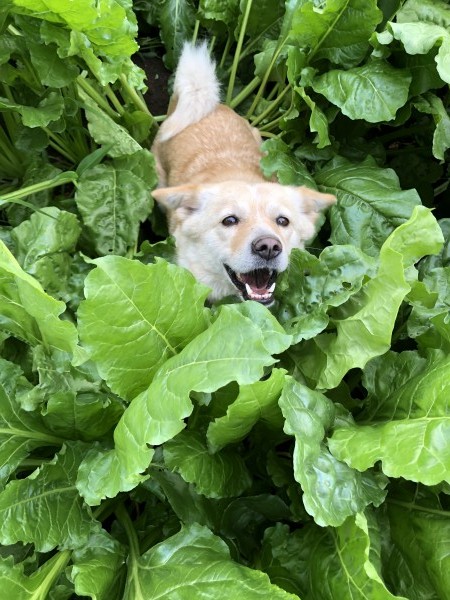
200	154
210	170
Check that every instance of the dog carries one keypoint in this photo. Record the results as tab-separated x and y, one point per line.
233	228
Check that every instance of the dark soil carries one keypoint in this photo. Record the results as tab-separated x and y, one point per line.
157	96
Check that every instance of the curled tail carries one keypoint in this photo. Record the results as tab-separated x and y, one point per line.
196	90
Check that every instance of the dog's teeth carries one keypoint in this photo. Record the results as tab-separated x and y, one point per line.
272	287
248	289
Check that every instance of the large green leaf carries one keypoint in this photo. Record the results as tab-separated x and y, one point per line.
86	32
20	431
373	92
339	32
45	508
53	71
219	475
176	21
410	428
152	310
254	402
236	347
369	317
331	490
370	203
195	559
27	312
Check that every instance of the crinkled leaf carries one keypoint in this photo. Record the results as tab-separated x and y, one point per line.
236	347
409	431
370	204
430	299
99	567
45	508
373	92
311	285
20	431
143	308
219	10
219	475
195	559
331	490
71	399
44	244
27	312
113	202
366	329
254	402
102	35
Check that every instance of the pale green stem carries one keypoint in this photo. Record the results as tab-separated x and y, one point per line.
133	588
262	87
38	187
137	99
240	43
272	106
245	92
98	99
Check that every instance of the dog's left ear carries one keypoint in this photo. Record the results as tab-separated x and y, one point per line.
172	198
315	201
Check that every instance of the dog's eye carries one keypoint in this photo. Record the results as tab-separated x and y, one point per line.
282	221
230	220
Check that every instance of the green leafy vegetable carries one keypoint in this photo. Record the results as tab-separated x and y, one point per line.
153	445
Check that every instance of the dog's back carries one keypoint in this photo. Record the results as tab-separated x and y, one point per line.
202	140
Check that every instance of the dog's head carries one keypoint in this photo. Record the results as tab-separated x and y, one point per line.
235	237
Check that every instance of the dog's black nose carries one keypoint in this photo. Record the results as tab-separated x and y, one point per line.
267	247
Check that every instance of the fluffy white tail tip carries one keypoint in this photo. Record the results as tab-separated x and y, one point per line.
196	90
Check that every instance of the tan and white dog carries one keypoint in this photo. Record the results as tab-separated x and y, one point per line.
234	229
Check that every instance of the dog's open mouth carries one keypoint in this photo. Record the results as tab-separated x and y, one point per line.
258	284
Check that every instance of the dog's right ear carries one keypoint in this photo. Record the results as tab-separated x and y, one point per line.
172	198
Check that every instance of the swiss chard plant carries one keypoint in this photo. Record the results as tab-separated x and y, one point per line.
154	446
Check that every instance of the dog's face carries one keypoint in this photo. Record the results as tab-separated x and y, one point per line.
235	237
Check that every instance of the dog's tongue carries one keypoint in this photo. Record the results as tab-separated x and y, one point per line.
258	280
